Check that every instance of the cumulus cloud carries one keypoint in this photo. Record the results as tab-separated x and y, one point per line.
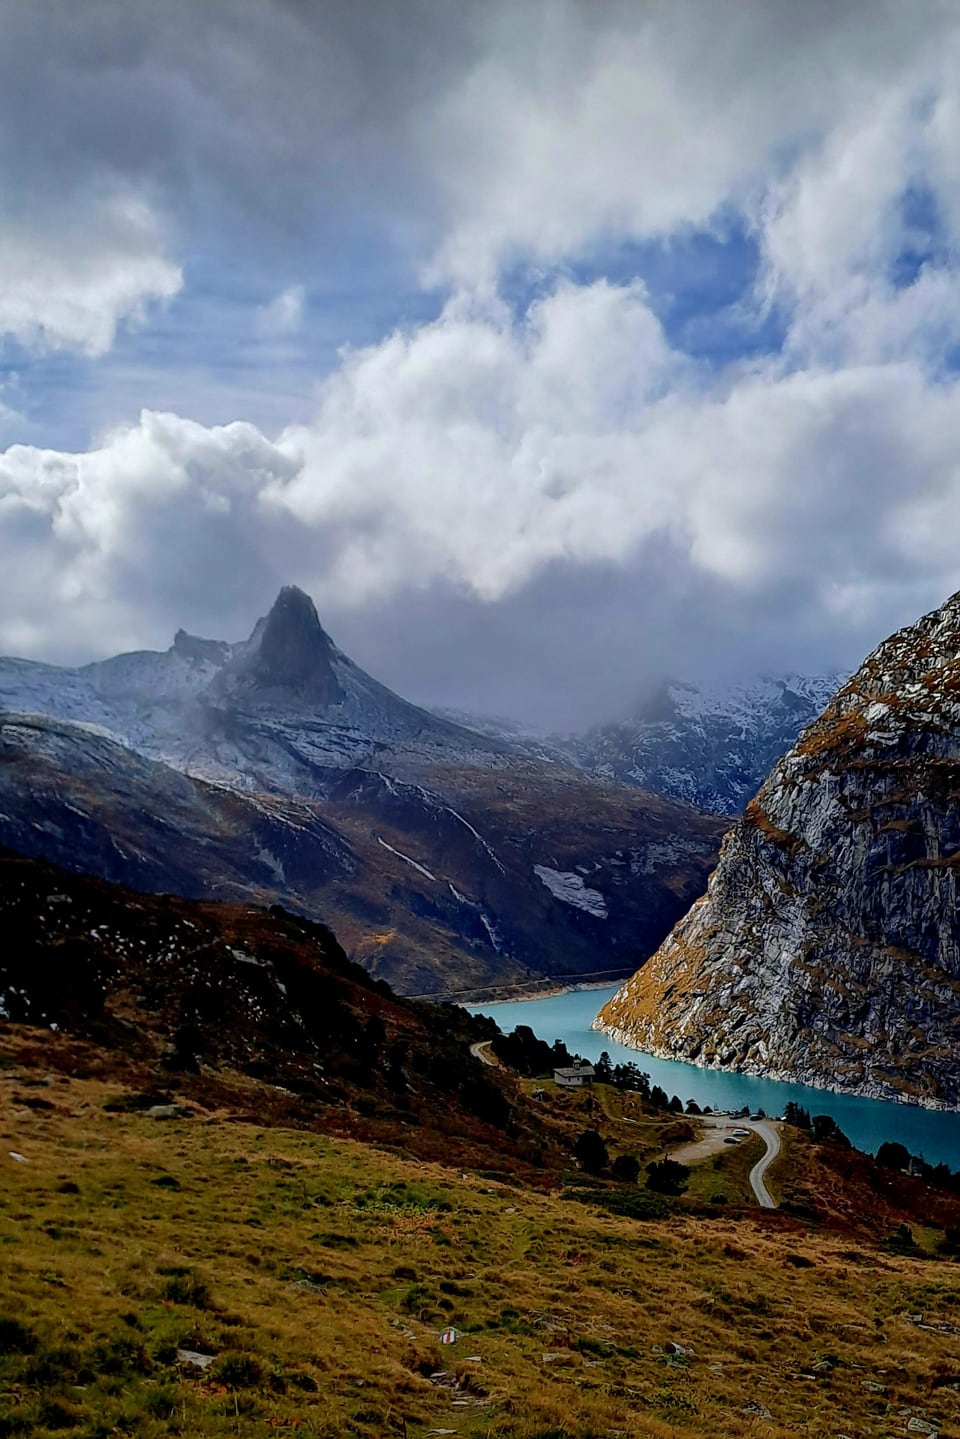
160	519
581	122
505	449
482	450
480	453
69	285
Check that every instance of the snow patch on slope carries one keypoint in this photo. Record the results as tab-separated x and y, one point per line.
407	860
570	888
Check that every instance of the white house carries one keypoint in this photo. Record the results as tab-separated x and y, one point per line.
575	1077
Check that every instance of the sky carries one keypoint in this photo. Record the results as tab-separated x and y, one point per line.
553	348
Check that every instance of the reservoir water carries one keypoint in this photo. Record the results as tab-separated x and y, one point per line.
866	1122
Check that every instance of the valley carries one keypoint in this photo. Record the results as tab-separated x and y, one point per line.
479	896
267	1187
868	1123
447	861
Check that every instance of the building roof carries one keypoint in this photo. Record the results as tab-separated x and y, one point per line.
584	1071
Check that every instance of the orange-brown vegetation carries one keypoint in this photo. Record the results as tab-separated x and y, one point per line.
757	816
317	1272
833	739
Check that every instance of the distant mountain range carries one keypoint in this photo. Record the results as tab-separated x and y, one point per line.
447	861
450	855
268	713
710	747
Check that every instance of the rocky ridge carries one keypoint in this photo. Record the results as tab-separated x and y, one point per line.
277	770
827	948
709	747
238	1010
261	714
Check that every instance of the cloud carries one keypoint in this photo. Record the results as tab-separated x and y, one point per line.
532	429
579	122
482	455
160	519
70	286
284	314
477	448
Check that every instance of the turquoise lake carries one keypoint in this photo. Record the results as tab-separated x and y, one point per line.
866	1122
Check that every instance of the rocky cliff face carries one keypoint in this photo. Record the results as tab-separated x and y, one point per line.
826	948
289	657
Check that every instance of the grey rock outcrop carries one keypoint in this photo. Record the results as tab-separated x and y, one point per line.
289	655
826	948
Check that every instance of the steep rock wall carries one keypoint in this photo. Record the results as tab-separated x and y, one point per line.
826	948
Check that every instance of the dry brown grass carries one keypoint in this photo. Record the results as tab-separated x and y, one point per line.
320	1271
758	817
834	739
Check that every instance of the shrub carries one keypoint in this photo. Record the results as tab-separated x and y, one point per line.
239	1371
893	1155
902	1240
627	1203
666	1176
626	1168
950	1243
591	1152
827	1130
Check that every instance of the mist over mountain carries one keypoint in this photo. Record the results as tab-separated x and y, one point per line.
827	947
447	860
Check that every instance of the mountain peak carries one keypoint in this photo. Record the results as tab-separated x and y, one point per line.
291	651
292	599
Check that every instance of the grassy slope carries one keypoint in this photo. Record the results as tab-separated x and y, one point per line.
319	1270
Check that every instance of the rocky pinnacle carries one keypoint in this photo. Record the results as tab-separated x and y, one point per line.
290	651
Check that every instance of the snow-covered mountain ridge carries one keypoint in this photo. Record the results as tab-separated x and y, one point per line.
259	714
710	746
446	860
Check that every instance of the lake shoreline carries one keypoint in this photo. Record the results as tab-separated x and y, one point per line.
568	1015
544	994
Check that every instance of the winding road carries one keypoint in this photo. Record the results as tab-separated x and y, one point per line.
715	1130
481	1051
771	1136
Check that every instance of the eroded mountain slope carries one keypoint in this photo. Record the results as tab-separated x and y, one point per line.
438	887
826	948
